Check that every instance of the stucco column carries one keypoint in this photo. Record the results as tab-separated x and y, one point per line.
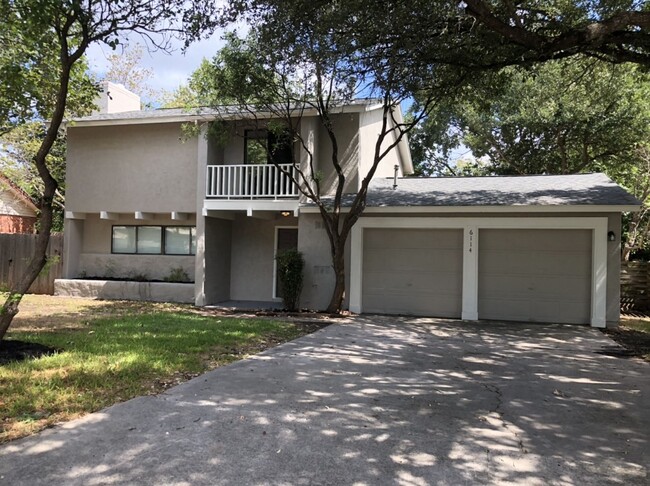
470	273
72	241
202	163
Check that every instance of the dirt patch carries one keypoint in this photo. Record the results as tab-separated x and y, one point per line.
12	351
636	343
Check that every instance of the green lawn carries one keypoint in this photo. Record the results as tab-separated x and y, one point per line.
131	349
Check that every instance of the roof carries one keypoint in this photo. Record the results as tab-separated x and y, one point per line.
18	193
176	115
537	190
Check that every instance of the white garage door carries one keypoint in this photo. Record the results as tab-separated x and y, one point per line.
412	271
535	275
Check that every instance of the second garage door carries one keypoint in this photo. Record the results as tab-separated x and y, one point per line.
412	271
535	275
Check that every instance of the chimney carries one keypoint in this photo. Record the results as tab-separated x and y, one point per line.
115	98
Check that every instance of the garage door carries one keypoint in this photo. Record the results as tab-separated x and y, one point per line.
535	275
412	271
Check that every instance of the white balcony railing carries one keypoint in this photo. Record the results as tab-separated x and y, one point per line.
246	181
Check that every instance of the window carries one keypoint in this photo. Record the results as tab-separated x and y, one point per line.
149	240
265	147
123	239
154	240
256	147
180	240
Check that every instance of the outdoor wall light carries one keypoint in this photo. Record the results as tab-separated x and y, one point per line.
611	236
285	213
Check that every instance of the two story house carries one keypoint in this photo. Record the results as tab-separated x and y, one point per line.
145	201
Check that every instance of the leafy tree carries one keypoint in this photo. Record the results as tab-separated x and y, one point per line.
480	34
291	66
634	174
40	34
561	117
20	145
126	69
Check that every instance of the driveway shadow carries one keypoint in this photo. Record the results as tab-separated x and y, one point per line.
378	401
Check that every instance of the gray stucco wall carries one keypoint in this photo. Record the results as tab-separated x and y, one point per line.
130	168
613	314
319	275
218	247
252	257
346	128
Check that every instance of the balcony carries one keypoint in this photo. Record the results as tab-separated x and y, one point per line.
259	190
250	182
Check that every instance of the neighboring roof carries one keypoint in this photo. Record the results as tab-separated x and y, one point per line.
6	183
175	115
537	190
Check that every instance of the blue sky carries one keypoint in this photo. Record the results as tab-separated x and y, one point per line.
170	69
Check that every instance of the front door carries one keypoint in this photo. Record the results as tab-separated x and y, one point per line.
285	239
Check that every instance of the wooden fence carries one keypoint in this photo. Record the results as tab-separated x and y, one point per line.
15	252
635	280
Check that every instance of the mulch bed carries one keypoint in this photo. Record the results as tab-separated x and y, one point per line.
636	343
13	350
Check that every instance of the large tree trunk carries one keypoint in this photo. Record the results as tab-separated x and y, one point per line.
338	264
10	307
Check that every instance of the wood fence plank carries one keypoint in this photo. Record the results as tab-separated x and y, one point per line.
15	252
635	280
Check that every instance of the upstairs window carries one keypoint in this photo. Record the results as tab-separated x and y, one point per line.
265	147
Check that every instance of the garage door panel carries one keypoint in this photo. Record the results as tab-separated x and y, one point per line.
535	275
411	239
412	271
420	282
393	260
544	287
412	304
540	263
537	240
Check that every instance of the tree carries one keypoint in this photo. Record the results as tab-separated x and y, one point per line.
561	117
303	68
126	69
634	174
489	34
60	33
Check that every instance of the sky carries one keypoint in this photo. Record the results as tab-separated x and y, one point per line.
170	69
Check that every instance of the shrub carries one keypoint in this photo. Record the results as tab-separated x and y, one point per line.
290	265
178	275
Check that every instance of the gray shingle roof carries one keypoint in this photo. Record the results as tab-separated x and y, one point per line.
538	190
194	113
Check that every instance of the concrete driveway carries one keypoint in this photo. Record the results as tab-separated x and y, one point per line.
377	401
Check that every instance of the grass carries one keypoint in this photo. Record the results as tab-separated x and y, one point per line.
113	351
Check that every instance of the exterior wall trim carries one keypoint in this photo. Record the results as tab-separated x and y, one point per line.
471	227
488	209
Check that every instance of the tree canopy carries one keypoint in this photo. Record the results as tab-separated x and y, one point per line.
42	44
560	117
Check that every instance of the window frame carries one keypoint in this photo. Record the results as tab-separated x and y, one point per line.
162	238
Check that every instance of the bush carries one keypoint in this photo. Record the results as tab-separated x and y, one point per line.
290	266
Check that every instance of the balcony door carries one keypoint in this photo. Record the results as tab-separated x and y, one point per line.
262	147
286	238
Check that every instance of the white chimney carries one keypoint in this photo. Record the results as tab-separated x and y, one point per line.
115	98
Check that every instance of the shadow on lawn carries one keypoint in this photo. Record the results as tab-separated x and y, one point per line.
393	403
